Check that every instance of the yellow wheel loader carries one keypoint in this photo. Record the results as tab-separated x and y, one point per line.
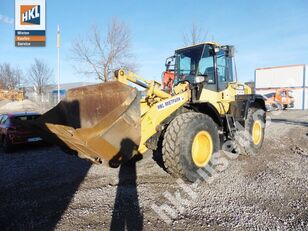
205	109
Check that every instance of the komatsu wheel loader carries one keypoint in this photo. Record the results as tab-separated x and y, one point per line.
206	107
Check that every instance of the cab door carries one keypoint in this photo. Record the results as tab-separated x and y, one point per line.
223	70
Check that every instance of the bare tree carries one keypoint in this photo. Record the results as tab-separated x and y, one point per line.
39	76
195	35
10	77
100	55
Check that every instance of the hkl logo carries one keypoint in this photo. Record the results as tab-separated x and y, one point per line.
30	15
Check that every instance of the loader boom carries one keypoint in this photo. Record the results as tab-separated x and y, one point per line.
152	87
156	107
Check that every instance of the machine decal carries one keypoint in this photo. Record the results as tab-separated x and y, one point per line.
170	102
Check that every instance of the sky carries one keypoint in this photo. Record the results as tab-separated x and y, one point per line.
264	33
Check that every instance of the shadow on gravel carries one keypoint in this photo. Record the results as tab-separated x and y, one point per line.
36	187
126	213
291	122
20	148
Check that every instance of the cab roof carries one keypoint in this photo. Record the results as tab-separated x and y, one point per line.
199	44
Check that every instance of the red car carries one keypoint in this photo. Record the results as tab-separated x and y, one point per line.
12	134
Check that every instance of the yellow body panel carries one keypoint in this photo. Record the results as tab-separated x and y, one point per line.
221	100
157	113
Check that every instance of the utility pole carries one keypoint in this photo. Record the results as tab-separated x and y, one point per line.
58	47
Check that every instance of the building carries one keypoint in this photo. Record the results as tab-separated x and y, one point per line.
50	96
292	77
64	87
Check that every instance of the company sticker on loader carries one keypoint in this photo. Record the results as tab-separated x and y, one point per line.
170	102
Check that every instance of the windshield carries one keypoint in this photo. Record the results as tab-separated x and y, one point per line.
187	61
193	62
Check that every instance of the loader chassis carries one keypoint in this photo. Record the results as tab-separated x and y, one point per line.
228	105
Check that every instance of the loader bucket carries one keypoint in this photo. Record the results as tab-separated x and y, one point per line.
97	122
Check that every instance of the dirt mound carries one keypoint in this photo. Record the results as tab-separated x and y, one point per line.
18	106
5	101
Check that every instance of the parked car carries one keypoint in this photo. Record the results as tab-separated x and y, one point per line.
11	133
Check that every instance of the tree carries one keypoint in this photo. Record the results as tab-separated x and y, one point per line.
39	76
10	77
195	35
100	55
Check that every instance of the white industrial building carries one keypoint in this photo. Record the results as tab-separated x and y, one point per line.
293	77
51	92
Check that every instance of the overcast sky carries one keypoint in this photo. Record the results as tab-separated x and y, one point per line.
265	33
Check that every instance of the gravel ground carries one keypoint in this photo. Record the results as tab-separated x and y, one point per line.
42	188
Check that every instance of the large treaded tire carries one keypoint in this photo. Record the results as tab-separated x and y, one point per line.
254	113
177	144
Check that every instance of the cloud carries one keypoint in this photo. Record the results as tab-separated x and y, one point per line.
6	20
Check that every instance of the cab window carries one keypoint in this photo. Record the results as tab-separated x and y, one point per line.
185	64
224	67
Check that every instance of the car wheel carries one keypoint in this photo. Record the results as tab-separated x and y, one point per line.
6	145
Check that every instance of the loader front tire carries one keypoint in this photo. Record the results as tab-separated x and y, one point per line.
189	144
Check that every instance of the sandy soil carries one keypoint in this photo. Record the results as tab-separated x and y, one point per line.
42	188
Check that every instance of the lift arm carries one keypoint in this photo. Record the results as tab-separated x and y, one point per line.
152	87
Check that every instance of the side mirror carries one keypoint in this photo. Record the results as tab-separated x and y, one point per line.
168	65
169	62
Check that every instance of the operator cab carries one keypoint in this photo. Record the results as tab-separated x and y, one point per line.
208	63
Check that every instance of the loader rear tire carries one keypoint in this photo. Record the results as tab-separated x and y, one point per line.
189	144
254	126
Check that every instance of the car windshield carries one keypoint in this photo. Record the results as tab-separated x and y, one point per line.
26	117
